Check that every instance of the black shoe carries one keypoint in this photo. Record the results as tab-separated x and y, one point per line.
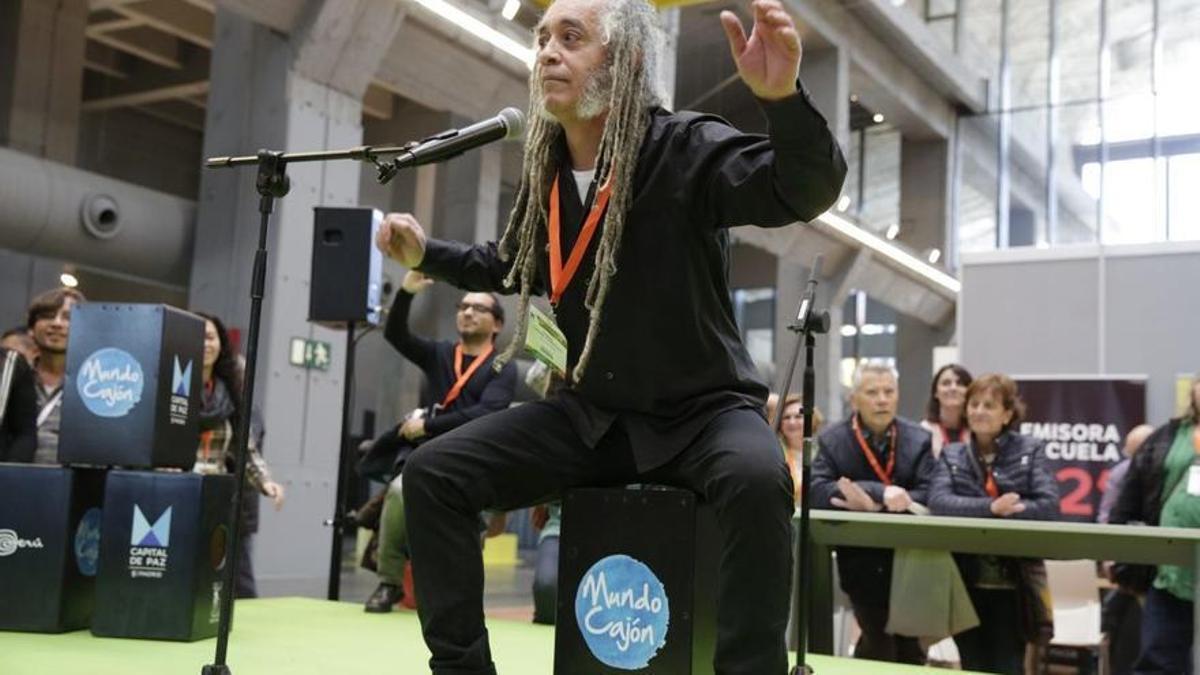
384	598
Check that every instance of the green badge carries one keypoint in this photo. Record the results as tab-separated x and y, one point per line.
545	341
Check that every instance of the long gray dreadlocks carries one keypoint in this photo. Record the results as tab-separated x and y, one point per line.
625	86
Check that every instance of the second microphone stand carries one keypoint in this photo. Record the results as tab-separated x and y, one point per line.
808	325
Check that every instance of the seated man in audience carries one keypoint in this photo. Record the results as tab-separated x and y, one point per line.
463	385
874	461
49	321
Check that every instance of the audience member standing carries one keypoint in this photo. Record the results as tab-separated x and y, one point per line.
49	321
220	412
945	414
1159	490
791	437
998	474
874	461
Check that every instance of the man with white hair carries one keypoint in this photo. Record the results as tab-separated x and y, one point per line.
874	461
621	219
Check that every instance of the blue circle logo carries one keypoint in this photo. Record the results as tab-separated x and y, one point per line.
622	612
87	542
110	382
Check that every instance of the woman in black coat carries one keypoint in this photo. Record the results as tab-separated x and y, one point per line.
998	474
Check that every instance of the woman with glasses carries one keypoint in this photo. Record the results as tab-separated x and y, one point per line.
791	437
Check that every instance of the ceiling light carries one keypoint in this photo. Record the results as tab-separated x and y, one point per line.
479	29
892	232
69	280
510	9
877	118
843	203
854	98
934	256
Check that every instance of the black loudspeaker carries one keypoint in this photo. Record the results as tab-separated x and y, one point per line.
131	395
165	543
347	269
637	583
49	545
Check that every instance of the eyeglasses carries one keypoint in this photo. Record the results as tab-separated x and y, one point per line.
478	307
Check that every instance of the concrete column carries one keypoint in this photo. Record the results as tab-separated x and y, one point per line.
925	194
925	223
41	76
915	341
297	93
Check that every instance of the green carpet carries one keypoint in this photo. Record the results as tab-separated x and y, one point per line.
300	636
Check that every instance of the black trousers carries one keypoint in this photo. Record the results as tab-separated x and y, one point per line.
1166	635
877	644
527	454
996	645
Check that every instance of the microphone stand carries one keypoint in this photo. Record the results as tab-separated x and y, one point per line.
807	326
272	183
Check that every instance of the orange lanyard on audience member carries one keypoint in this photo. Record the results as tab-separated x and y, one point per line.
885	477
560	276
463	377
989	481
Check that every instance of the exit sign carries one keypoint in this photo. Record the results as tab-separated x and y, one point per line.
312	354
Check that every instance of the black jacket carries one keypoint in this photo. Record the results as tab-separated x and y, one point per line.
486	392
866	573
18	432
1140	498
958	490
1020	467
696	176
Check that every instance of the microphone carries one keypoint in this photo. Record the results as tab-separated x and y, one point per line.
508	123
810	294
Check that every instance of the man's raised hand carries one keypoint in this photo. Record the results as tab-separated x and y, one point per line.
768	60
401	238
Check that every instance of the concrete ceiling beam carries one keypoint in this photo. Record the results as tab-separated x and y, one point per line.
341	43
143	42
174	17
426	68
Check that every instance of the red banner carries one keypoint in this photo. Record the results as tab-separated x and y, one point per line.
1083	422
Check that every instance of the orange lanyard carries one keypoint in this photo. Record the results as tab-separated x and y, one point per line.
560	276
884	476
463	377
989	483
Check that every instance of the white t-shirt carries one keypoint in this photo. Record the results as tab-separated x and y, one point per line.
583	180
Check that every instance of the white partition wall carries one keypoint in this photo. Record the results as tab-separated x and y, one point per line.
1085	310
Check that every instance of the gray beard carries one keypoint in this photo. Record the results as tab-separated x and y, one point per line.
592	103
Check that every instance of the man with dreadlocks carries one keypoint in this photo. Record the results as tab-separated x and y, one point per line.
638	407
